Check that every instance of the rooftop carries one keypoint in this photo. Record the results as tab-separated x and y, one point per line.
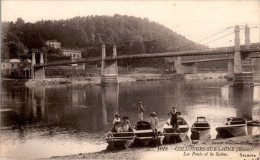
16	61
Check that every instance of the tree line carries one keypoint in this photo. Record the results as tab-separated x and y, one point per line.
130	34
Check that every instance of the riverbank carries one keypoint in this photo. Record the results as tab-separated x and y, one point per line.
136	75
245	147
125	78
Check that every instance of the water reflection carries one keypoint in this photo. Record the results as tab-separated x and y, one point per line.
84	113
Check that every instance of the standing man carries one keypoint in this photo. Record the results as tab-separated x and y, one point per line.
174	119
141	111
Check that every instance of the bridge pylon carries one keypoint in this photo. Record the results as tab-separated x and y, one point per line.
109	69
37	72
243	75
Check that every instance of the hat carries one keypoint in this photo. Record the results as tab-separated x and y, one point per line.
140	102
153	113
125	117
117	115
173	107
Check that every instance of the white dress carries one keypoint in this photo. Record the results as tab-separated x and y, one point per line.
154	123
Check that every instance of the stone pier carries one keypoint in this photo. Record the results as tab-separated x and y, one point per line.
230	72
180	68
109	69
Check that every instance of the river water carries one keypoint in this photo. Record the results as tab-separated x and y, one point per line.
40	122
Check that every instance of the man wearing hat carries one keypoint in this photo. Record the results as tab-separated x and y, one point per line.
141	111
126	124
154	123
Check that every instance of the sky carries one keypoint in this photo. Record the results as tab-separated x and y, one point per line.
195	20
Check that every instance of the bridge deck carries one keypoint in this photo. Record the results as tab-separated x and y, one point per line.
223	50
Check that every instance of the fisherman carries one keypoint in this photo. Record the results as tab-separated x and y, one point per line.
117	123
154	123
174	119
126	126
141	111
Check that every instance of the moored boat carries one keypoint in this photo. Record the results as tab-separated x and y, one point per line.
200	129
173	136
234	127
120	140
144	136
253	123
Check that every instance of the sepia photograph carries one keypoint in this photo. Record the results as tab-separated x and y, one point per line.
130	80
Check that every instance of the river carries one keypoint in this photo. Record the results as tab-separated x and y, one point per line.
45	121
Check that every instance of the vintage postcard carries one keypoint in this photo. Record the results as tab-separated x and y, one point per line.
145	80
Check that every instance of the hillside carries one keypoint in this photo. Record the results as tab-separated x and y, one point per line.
132	35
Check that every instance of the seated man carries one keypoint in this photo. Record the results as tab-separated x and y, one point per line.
126	126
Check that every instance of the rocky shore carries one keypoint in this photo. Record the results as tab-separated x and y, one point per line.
245	147
125	78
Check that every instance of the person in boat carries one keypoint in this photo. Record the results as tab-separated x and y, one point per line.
141	111
116	119
126	126
174	119
154	122
117	123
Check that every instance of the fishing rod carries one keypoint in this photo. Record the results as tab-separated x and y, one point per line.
183	94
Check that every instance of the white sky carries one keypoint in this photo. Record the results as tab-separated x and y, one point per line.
183	17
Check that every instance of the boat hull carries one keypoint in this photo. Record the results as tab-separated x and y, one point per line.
174	137
121	140
148	141
120	144
200	135
231	131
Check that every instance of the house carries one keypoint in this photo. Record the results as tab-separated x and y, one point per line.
74	54
53	43
13	68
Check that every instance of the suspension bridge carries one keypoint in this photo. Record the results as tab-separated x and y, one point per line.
240	59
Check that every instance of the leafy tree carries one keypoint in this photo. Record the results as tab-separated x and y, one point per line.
132	35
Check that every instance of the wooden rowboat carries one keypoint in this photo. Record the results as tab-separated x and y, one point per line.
253	123
233	128
200	129
120	140
144	136
172	136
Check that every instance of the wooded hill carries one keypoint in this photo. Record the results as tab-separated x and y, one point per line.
132	35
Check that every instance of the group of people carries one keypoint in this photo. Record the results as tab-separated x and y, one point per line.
121	126
124	125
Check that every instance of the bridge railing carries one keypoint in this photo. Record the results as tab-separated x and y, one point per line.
210	51
57	63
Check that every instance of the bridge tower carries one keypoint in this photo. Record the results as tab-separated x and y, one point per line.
243	75
109	69
37	72
33	64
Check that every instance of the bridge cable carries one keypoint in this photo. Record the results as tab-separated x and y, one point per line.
202	39
221	37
